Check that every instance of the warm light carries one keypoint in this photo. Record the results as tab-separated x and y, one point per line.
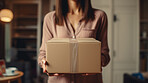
6	15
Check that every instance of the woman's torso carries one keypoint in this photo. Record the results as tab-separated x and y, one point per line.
84	30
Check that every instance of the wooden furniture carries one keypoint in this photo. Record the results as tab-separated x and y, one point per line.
24	28
143	35
25	31
12	78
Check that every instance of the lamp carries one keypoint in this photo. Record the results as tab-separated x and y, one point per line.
6	15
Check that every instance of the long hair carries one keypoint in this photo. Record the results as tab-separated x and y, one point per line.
62	10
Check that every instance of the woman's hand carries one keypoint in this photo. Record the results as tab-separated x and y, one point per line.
44	64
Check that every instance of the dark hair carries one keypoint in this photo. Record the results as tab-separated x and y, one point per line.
62	10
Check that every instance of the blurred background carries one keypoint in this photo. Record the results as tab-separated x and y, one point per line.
20	37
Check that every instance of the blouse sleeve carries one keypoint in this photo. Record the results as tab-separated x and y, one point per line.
102	36
46	36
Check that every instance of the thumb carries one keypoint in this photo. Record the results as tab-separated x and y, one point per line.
44	68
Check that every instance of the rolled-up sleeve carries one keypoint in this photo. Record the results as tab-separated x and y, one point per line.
102	36
47	35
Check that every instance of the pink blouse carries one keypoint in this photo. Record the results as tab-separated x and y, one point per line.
92	29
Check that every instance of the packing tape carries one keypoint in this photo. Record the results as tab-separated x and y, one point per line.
74	54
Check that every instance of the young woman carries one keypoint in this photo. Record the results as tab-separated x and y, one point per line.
75	19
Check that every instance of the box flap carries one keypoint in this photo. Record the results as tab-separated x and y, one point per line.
87	40
58	40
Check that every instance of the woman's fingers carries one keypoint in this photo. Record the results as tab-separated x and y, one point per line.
44	68
86	74
45	63
48	74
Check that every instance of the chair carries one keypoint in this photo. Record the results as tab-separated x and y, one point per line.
131	79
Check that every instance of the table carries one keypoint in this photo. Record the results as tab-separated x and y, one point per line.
8	79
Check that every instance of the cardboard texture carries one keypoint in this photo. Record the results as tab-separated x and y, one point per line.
82	55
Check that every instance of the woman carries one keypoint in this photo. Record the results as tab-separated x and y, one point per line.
75	19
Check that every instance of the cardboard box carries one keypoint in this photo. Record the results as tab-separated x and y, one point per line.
66	55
